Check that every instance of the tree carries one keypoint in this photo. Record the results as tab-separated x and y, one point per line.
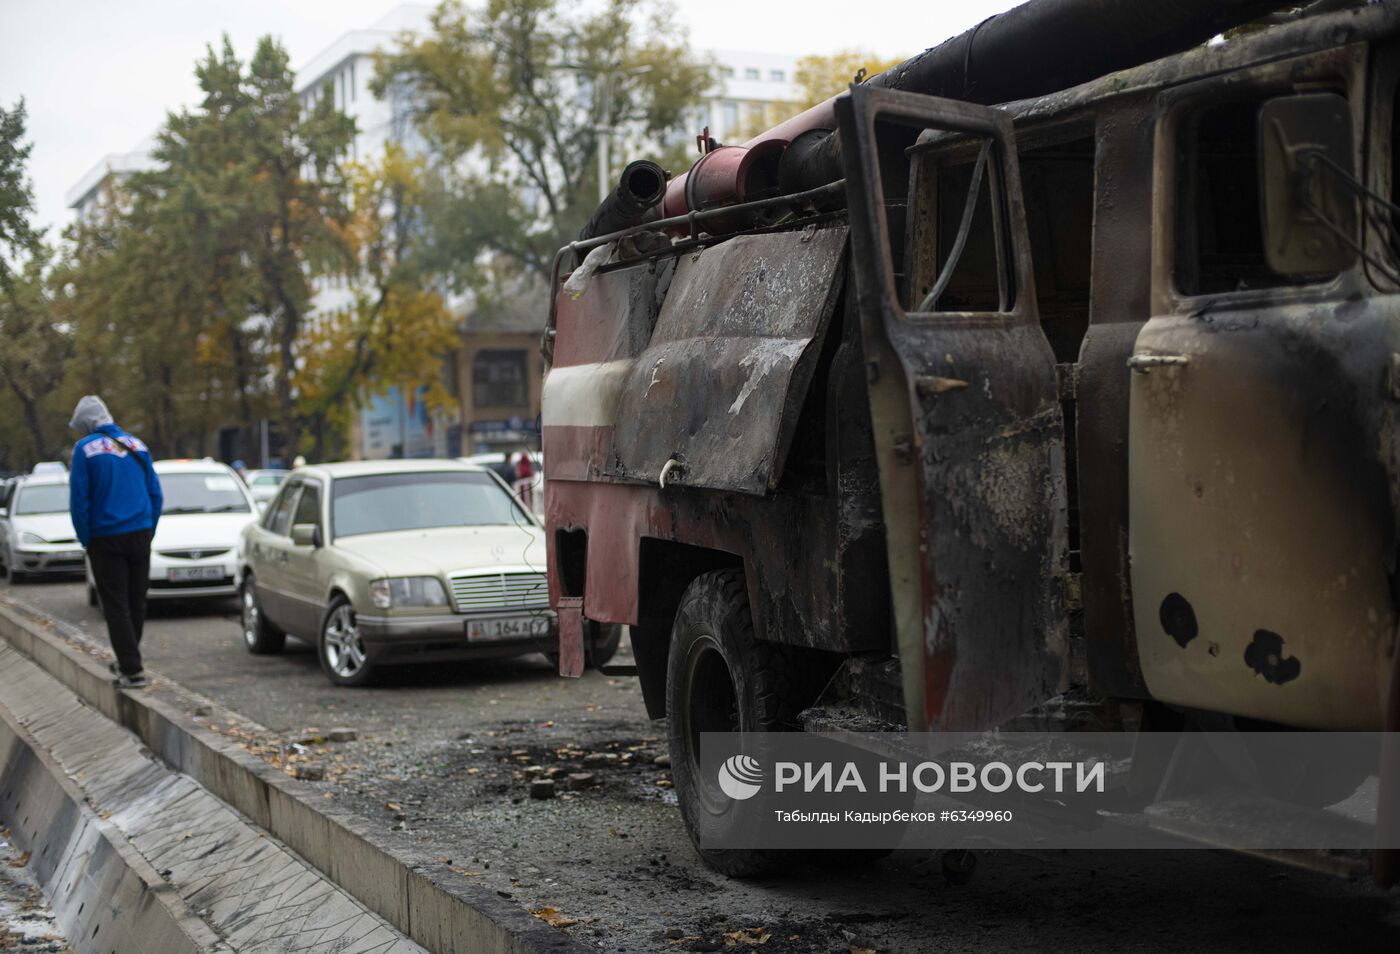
821	77
246	210
32	348
511	98
397	329
17	234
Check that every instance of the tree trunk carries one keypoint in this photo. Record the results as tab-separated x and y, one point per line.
32	423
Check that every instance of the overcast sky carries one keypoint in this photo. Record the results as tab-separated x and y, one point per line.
99	75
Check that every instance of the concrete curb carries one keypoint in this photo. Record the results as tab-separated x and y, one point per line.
426	900
104	894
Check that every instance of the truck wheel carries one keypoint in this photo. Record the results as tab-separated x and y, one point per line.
719	679
606	646
259	635
603	650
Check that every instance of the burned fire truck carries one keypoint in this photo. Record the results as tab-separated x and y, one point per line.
915	410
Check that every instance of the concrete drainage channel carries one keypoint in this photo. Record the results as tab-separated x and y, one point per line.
105	895
417	895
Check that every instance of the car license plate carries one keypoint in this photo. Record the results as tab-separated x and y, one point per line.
189	574
68	555
486	630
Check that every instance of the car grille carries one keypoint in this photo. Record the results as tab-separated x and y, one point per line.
193	554
510	592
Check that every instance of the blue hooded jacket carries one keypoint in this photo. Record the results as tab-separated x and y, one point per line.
112	487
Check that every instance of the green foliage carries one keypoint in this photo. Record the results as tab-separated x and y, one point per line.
819	78
17	234
511	97
398	329
192	289
34	345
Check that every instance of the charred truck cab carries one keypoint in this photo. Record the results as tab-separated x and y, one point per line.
916	412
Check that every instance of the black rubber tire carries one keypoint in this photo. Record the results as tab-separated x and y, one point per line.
260	637
610	638
713	626
366	672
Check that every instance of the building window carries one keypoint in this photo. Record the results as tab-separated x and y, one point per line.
777	76
727	72
751	73
499	379
729	114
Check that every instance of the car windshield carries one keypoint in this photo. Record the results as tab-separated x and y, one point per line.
268	480
420	501
202	493
42	498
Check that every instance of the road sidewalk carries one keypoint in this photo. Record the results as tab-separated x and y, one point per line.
421	899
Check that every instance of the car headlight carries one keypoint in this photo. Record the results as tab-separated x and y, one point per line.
407	591
27	537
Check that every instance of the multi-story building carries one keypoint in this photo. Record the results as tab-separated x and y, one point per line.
497	373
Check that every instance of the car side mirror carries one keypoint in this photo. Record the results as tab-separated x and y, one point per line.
306	535
1309	208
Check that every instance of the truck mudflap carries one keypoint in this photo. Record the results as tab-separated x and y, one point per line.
968	427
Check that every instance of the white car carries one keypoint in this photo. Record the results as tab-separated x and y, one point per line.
264	484
195	551
36	533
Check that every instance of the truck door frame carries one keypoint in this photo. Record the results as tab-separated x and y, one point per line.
976	581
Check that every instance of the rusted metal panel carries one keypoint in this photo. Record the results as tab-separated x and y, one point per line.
1261	514
571	624
600	334
719	387
1119	305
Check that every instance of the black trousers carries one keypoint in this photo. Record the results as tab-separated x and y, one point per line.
121	567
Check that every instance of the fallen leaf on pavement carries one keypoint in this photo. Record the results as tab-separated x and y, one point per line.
554	918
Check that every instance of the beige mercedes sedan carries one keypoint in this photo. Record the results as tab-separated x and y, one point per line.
403	561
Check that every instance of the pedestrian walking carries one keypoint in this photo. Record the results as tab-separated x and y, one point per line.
525	479
115	499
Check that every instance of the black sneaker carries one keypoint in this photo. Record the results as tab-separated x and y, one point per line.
114	669
134	681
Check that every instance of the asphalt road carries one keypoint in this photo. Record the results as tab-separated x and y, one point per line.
445	755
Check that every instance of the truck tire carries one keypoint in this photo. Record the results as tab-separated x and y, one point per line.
719	678
606	646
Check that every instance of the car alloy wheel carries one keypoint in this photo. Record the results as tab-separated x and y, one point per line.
344	650
252	617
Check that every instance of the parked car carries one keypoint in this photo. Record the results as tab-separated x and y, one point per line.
194	553
383	562
264	484
50	467
36	533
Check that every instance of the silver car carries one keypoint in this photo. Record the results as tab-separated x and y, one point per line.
382	562
36	532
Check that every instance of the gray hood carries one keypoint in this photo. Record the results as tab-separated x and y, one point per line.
89	415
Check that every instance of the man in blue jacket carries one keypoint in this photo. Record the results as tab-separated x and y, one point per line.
115	499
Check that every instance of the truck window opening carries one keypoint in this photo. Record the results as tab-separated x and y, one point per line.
1220	241
1058	183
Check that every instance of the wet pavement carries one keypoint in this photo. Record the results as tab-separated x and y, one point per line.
447	755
